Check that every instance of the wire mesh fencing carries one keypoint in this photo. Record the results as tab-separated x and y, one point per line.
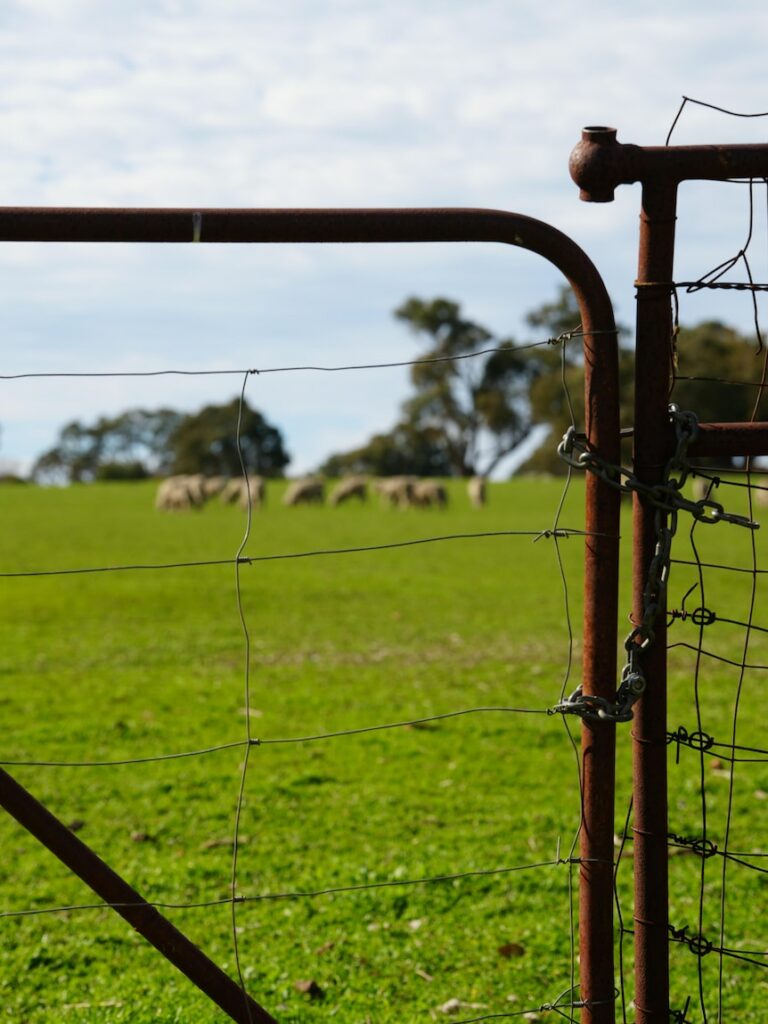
701	699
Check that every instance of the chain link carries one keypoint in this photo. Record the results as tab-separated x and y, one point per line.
667	499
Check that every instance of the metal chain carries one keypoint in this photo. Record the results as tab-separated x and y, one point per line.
667	498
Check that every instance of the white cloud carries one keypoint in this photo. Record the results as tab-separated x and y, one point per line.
242	103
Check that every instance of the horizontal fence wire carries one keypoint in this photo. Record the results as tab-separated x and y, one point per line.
509	349
562	532
266	741
300	894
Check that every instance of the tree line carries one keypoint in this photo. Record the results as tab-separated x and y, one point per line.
475	397
139	443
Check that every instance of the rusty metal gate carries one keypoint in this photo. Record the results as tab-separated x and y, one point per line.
664	439
216	226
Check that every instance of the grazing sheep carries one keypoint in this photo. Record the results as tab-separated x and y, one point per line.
396	491
213	485
230	492
427	493
700	488
476	491
178	493
236	490
349	487
305	492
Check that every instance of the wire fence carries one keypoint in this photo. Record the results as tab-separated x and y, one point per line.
240	894
717	837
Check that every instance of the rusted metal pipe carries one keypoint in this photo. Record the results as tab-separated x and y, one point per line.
653	446
730	440
142	916
600	163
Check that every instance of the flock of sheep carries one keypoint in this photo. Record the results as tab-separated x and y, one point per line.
179	493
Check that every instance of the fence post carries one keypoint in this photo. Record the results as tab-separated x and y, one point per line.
599	164
652	450
598	739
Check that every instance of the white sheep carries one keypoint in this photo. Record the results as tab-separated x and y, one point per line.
427	493
700	488
349	487
396	491
213	485
237	491
178	493
476	491
308	491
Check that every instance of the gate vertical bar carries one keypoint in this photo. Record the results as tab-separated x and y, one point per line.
599	164
649	747
598	739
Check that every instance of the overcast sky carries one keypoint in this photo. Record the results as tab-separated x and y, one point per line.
345	103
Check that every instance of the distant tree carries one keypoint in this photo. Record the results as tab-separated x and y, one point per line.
139	442
709	349
206	442
404	450
135	437
117	471
476	403
470	406
557	391
714	350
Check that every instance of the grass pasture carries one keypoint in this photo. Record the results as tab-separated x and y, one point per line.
138	663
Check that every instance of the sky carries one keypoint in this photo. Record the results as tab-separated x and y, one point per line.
341	103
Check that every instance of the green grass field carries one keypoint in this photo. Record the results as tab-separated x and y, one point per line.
134	664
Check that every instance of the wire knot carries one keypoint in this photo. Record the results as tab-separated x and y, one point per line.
697	944
698	740
704	848
546	534
679	1016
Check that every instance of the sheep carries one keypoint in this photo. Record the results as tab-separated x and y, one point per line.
195	484
177	493
308	491
349	487
213	485
237	490
476	491
427	493
396	491
700	488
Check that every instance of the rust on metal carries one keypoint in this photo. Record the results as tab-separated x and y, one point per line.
602	427
598	165
730	440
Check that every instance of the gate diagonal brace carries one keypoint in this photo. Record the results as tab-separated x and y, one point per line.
668	500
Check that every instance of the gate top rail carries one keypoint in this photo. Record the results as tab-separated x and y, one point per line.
600	163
